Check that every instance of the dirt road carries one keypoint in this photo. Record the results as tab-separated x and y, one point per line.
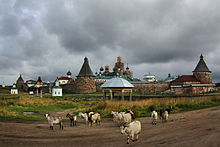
196	128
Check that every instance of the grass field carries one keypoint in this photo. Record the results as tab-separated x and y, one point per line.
31	107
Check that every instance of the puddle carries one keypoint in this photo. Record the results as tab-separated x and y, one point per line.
29	112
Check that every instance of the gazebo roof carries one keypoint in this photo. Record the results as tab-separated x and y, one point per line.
117	83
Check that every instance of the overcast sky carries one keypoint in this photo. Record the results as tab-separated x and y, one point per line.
48	38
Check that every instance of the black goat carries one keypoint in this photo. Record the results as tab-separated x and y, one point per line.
72	119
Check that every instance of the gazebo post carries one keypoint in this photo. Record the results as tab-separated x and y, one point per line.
130	96
111	96
37	91
41	93
104	94
122	96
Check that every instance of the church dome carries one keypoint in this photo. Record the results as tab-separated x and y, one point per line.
101	68
68	73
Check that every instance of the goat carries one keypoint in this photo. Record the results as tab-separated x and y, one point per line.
126	118
132	129
84	116
54	120
154	116
72	119
165	116
122	117
115	116
163	110
133	116
94	118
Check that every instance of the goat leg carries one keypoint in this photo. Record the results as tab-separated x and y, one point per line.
128	139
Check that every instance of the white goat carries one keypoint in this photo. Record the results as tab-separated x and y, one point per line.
84	116
122	118
154	116
165	116
115	116
94	118
126	118
54	120
132	129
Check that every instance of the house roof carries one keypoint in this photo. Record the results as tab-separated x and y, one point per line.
57	87
201	66
117	83
64	78
85	70
185	78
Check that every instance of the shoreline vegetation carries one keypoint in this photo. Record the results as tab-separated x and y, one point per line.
31	107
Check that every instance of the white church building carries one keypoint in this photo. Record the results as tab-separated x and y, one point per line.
14	90
57	90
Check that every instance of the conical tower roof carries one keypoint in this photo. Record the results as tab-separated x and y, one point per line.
85	70
201	66
20	79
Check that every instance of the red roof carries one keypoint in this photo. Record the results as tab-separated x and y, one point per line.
64	78
185	78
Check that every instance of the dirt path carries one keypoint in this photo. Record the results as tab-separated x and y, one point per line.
195	128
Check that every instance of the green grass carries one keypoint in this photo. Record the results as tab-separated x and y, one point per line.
12	107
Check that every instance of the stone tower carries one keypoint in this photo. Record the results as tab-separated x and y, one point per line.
85	82
202	72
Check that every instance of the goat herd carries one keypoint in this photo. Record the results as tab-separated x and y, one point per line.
126	121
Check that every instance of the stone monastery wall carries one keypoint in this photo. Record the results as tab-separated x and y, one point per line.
143	87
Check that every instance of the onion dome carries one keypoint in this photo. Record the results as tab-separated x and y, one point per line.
68	73
127	68
101	68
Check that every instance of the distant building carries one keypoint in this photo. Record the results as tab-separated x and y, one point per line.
14	90
118	71
199	82
30	83
39	83
149	78
65	80
168	79
31	92
57	90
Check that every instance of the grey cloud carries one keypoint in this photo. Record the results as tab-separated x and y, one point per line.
9	25
48	37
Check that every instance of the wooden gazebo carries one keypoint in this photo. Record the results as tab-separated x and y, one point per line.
117	85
